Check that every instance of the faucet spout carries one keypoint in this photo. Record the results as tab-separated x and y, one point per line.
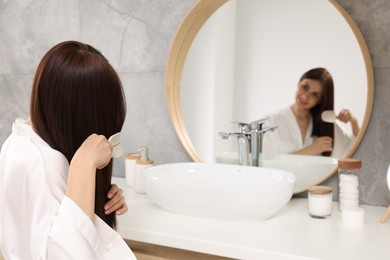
243	146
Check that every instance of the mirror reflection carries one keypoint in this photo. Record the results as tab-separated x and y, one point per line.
310	126
246	63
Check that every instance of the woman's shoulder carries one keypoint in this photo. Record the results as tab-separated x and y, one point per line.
19	152
26	156
281	115
32	142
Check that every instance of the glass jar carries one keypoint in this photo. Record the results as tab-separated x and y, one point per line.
348	173
320	201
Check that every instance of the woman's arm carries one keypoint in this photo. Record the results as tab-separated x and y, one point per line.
355	126
94	153
346	116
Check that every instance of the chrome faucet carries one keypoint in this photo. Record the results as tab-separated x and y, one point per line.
250	139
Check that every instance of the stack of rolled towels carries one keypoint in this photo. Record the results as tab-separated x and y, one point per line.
349	191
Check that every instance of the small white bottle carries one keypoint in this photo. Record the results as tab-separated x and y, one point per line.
130	161
140	166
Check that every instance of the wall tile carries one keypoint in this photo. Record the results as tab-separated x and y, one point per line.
372	17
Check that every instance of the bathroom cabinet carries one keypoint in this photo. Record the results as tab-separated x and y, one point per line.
290	234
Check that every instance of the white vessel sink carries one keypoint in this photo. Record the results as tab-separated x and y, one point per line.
220	191
309	169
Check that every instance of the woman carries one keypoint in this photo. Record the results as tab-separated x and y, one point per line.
55	169
300	127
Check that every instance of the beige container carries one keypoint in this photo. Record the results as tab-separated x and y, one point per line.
130	162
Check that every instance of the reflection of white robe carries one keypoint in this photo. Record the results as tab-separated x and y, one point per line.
287	137
37	220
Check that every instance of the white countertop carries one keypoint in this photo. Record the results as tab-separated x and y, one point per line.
290	234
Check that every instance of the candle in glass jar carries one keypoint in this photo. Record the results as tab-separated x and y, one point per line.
320	201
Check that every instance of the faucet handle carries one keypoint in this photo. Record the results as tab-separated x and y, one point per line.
257	124
243	127
224	135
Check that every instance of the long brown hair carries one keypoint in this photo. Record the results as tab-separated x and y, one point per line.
75	93
321	128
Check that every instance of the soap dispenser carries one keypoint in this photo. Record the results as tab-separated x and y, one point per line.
140	166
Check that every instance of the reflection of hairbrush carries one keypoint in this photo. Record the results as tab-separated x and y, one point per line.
328	116
115	140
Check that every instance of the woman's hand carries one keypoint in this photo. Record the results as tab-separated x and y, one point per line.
346	116
319	145
117	201
322	144
96	149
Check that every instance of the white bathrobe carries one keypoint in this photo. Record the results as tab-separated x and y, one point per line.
287	137
37	220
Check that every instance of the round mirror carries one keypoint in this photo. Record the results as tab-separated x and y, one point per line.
241	60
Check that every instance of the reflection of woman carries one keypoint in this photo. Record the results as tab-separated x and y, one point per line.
55	169
300	127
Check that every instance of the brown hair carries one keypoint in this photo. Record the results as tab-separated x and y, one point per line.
75	93
321	128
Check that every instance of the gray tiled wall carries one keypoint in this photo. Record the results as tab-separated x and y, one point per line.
135	36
